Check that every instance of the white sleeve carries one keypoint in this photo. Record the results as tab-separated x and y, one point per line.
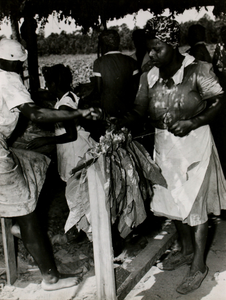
13	90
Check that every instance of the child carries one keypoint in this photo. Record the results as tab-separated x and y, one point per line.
71	139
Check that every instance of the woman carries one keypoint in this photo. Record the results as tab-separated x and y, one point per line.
23	172
181	96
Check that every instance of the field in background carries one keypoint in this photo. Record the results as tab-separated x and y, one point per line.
82	64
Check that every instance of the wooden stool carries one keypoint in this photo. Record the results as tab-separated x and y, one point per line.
9	250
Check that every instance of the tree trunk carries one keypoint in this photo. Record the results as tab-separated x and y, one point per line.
28	29
15	28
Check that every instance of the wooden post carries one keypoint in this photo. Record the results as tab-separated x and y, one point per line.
9	250
101	230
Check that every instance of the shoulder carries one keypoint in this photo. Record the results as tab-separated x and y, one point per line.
11	78
129	58
99	62
12	82
199	68
130	63
69	99
207	80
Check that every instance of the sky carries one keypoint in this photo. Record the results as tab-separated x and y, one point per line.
138	20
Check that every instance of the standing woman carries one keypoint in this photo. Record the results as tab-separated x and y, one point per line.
181	96
22	173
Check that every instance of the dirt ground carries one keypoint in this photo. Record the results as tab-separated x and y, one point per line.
161	285
73	251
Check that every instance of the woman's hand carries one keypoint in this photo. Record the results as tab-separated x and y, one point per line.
86	113
181	128
92	113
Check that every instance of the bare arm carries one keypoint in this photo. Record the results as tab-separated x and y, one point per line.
47	115
184	127
69	136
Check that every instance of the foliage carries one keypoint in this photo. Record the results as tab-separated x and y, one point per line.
89	13
78	43
64	43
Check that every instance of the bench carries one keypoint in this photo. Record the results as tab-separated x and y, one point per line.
9	250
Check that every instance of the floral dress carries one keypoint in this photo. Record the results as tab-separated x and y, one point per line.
22	173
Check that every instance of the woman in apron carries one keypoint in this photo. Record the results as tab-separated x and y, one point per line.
181	96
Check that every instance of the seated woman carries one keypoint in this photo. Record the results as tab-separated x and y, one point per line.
23	172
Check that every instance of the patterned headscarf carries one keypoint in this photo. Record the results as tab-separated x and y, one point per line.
165	29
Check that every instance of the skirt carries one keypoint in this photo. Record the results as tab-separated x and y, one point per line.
22	175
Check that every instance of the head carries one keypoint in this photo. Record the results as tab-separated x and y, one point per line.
109	40
12	55
139	39
196	33
223	34
58	78
162	40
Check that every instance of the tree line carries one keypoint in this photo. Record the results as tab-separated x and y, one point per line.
78	43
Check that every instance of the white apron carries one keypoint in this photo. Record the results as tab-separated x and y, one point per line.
184	168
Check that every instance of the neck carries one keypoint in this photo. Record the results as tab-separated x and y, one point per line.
170	69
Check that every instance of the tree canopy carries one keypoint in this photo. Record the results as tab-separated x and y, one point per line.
86	13
91	13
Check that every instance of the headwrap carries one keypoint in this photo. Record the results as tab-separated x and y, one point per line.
110	38
165	29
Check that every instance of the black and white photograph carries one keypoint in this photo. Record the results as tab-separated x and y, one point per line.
112	150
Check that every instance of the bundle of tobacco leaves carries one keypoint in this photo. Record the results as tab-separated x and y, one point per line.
129	174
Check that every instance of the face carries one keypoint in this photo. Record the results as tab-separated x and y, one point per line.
160	53
51	86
